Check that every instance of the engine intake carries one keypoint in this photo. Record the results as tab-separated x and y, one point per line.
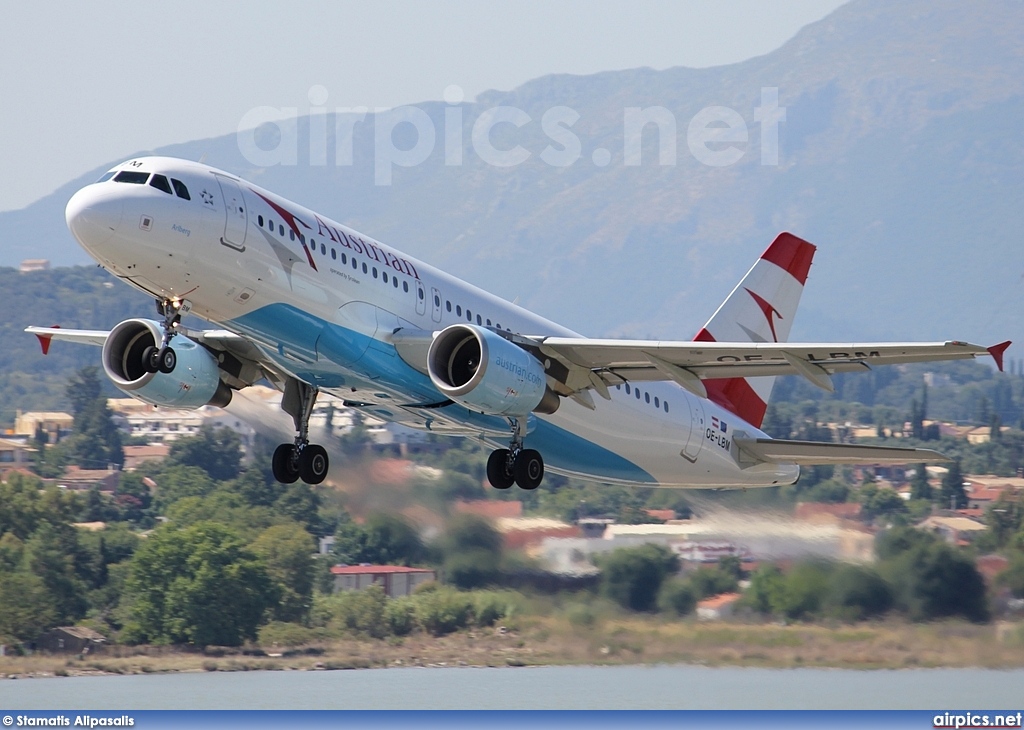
481	370
194	383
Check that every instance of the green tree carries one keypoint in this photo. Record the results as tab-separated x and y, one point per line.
765	590
199	585
952	495
883	502
936	581
633	576
217	452
803	591
856	592
920	488
472	551
677	596
287	551
50	553
26	606
96	441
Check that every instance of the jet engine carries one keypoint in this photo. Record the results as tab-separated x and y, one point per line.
481	370
195	381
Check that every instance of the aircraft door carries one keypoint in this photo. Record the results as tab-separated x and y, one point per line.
695	439
236	219
421	297
435	302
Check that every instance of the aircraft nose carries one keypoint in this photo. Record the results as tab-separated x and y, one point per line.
93	215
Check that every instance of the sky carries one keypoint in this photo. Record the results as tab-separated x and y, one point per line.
84	84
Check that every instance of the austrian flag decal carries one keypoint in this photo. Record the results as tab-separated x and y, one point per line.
720	425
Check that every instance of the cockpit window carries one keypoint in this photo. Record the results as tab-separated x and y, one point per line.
180	189
107	176
160	183
132	176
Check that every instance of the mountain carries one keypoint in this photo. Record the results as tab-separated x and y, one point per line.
900	155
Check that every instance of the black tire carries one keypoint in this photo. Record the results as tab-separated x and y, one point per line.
168	360
529	469
498	472
313	464
151	359
285	469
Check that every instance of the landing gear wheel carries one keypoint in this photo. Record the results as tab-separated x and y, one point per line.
529	469
151	359
313	464
499	473
286	470
167	360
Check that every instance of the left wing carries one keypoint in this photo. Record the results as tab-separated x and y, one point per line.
84	337
688	363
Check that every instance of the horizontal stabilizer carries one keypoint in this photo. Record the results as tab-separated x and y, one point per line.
809	453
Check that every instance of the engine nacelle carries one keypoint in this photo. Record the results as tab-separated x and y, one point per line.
195	381
484	372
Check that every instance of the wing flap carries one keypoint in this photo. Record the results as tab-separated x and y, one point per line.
810	453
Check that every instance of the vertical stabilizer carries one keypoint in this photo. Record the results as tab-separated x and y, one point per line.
760	309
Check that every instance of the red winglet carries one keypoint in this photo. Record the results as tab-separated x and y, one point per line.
996	351
44	340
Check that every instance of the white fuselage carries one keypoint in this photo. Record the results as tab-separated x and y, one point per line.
321	302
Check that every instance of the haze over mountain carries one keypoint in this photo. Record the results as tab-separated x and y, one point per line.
900	156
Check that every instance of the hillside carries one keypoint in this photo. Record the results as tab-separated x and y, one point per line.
900	156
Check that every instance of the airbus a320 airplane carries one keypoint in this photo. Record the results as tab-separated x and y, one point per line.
311	305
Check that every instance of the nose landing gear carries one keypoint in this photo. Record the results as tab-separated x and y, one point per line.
163	359
515	465
301	459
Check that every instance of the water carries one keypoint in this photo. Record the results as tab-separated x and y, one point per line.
582	688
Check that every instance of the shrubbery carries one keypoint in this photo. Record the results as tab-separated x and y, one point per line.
437	611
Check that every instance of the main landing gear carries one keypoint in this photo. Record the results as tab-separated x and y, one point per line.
300	460
515	465
162	358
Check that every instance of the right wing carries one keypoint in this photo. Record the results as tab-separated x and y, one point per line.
808	453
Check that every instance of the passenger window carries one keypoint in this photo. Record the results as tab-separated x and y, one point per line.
419	292
498	326
323	249
292	234
647	397
637	393
478	320
488	323
334	253
384	276
280	230
182	191
374	272
364	267
448	305
260	219
627	388
405	287
469	316
106	176
437	301
458	310
270	225
394	282
656	403
131	176
665	404
355	264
